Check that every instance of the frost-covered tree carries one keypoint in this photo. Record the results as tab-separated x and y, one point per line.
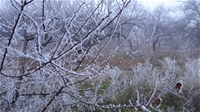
40	69
189	27
56	56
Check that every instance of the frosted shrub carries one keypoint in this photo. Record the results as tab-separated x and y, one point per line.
52	58
192	70
191	88
170	70
145	74
150	88
146	89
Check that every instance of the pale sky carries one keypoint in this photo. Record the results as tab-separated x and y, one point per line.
153	3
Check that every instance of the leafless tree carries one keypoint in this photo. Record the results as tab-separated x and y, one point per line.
188	25
53	57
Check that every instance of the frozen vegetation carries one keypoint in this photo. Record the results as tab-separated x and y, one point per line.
101	55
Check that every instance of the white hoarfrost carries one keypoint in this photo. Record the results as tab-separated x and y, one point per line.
58	59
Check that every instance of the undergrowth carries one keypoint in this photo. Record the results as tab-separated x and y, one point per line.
146	82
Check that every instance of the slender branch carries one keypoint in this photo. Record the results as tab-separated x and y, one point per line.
34	94
12	36
62	37
43	17
51	100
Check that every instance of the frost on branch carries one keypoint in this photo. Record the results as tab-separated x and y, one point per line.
63	56
47	57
